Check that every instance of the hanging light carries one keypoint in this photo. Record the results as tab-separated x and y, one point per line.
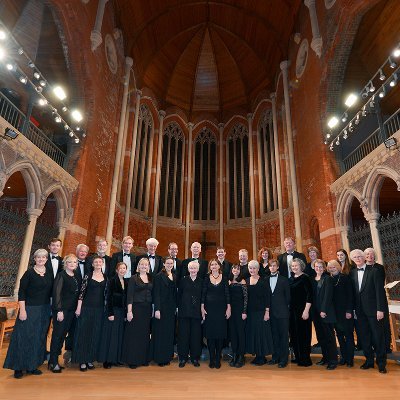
20	51
396	51
3	35
357	121
337	141
36	75
71	134
344	117
364	111
351	99
65	109
345	135
333	122
10	67
393	82
42	83
76	115
382	76
42	102
60	92
392	64
351	129
372	102
23	79
382	93
77	140
58	119
371	87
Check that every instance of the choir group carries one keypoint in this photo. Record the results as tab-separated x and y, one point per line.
133	309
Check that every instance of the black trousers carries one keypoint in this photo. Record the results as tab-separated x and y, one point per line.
215	348
237	333
60	330
189	338
326	338
280	339
372	334
345	334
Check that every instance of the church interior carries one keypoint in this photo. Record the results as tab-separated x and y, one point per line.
232	123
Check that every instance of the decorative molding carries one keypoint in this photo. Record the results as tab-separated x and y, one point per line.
302	58
111	53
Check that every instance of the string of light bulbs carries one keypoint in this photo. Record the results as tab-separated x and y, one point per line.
37	82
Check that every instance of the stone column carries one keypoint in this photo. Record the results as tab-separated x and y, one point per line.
95	36
3	181
62	228
344	235
252	195
188	187
117	163
131	164
221	184
373	219
316	43
158	172
292	166
278	171
33	215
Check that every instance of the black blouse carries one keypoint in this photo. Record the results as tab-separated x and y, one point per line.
301	292
215	293
92	292
138	291
239	297
35	289
116	294
189	297
65	292
258	295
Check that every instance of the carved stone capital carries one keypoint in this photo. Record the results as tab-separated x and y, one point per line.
128	61
316	45
162	114
190	125
372	217
96	39
284	65
33	213
272	96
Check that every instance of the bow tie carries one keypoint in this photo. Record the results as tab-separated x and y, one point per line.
361	269
53	257
153	257
126	255
81	261
289	254
274	275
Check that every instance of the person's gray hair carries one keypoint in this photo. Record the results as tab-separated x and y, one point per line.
152	241
301	263
82	245
254	264
356	252
41	253
194	263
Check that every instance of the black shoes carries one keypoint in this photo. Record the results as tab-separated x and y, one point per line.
240	361
321	362
90	366
367	366
35	372
56	369
233	361
342	361
163	364
382	370
331	366
258	361
282	365
18	374
272	362
196	363
83	367
106	365
182	363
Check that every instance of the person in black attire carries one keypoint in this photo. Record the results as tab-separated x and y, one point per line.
323	314
285	260
114	319
126	257
244	263
225	264
65	298
165	303
27	349
173	252
343	303
258	328
369	307
55	263
279	314
264	254
301	294
90	316
370	260
101	248
156	261
215	310
195	249
313	254
189	316
237	321
136	342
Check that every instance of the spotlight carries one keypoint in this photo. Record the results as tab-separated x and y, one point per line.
10	134
20	51
372	102
42	83
338	141
382	92
39	89
58	119
31	64
393	82
23	79
71	134
365	93
392	64
36	75
78	128
59	92
42	102
83	134
328	135
66	127
3	35
390	142
331	147
65	109
2	53
345	135
396	51
364	111
344	117
357	121
76	115
351	99
10	67
351	128
382	76
77	140
371	87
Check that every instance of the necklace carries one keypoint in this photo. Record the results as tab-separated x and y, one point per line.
337	283
216	277
40	271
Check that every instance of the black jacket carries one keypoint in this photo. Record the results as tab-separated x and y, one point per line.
164	292
323	298
116	295
280	298
119	257
282	261
158	263
49	265
189	297
342	296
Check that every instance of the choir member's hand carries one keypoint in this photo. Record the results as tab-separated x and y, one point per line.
322	314
60	316
203	312
22	315
129	316
228	311
78	311
157	314
111	318
348	315
266	315
355	315
379	315
305	315
244	316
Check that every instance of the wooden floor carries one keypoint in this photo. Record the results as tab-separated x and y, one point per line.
171	382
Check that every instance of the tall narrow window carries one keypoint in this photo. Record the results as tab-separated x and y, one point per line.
172	172
238	172
266	158
143	160
205	176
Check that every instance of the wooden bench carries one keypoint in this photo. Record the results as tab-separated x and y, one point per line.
6	326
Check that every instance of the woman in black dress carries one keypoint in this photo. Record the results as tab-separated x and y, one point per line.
237	321
215	310
136	343
189	314
264	255
301	294
343	303
323	314
114	320
165	303
258	329
65	298
27	349
90	316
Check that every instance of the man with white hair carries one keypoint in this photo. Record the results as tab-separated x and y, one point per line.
195	249
369	307
156	261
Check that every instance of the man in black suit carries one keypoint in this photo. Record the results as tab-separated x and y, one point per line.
125	256
369	306
370	259
54	262
101	248
195	249
173	252
244	263
225	264
279	314
156	261
285	260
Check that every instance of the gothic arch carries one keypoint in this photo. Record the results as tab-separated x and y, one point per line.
62	200
344	205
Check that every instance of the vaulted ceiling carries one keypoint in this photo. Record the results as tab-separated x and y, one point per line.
207	56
